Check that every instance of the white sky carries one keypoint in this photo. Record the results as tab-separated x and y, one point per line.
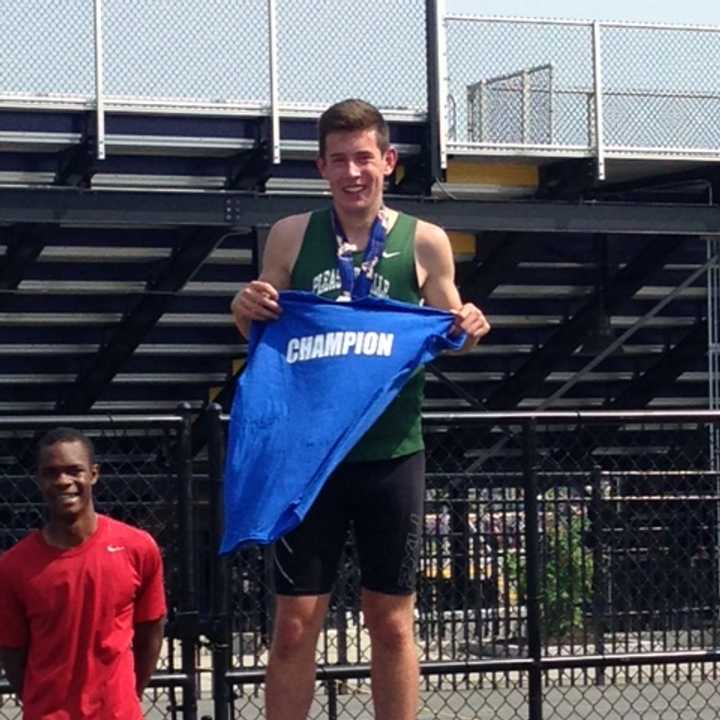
696	12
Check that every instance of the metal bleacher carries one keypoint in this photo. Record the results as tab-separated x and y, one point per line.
145	153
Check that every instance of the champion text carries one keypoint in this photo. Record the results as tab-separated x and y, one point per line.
337	344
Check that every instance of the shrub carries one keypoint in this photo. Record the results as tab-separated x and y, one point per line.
565	574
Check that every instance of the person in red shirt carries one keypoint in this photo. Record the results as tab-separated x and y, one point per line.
82	603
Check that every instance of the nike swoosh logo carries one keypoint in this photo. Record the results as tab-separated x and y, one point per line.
115	548
390	255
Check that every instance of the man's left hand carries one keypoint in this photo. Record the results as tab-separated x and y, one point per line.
470	319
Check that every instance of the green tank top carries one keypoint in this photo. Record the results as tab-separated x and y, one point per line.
397	431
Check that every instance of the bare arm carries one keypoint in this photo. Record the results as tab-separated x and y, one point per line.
146	649
259	300
13	662
436	276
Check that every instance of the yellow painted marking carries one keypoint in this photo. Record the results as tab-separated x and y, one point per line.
462	243
502	174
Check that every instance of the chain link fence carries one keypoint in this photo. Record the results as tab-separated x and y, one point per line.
47	48
535	87
624	546
658	96
509	86
569	566
519	84
331	51
215	52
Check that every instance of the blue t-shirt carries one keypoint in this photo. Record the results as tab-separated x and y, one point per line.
315	381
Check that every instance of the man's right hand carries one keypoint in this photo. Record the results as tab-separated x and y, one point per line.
257	301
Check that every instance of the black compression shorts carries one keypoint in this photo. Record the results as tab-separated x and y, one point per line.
384	501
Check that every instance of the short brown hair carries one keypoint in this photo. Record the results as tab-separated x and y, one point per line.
350	115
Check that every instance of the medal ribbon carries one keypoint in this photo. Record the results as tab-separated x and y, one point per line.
356	285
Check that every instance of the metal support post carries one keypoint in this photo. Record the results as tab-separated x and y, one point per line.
532	549
274	102
599	594
219	586
525	134
99	82
437	89
598	87
187	615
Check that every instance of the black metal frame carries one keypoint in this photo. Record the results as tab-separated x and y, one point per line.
236	209
536	664
200	495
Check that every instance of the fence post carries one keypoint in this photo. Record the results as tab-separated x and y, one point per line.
187	609
219	587
99	81
532	548
437	86
332	696
525	106
599	603
598	88
273	69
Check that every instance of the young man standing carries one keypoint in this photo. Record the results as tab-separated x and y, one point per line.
380	487
82	602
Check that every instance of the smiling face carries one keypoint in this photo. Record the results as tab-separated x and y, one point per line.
66	476
355	168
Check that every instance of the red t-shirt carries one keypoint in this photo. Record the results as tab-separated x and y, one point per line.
75	610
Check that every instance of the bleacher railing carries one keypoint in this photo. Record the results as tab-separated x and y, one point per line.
500	86
522	86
